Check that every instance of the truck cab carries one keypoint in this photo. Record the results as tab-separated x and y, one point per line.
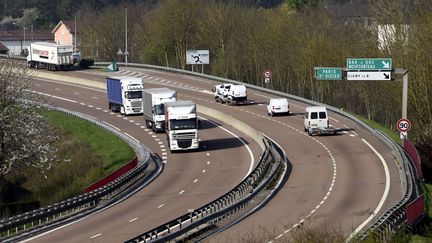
181	125
125	94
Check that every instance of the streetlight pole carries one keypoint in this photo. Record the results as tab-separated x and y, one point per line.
126	41
33	19
24	42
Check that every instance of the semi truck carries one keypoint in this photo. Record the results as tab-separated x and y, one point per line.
181	125
230	93
153	107
50	56
125	94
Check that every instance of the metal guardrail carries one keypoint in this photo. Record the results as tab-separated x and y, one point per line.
386	220
226	206
22	225
390	219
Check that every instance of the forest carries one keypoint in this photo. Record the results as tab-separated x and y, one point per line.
289	37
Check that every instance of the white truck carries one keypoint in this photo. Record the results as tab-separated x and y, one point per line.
230	93
153	107
316	121
181	125
125	94
50	56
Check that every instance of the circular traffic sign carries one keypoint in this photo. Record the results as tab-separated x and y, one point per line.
403	125
267	74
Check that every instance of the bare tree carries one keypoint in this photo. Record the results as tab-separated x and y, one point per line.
24	135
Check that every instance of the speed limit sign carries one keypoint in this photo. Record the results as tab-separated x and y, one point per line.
403	125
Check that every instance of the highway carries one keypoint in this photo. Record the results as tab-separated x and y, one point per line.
336	182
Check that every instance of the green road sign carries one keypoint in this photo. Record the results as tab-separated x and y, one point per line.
328	73
369	63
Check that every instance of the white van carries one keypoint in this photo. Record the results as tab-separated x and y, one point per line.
278	106
316	120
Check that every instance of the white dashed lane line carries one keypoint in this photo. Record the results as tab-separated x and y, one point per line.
130	221
163	204
94	236
181	192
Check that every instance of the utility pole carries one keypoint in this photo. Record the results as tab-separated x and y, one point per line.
75	37
126	38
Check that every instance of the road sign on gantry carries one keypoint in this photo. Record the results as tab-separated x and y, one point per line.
328	73
367	76
403	125
365	64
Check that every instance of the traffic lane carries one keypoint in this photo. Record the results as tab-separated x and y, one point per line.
300	123
92	97
210	148
297	109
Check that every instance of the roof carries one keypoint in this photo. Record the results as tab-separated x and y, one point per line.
70	25
3	48
18	34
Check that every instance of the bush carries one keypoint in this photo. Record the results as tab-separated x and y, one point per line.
86	62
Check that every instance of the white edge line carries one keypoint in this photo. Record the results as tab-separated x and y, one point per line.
111	125
384	196
131	137
252	161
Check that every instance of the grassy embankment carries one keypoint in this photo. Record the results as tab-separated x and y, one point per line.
85	153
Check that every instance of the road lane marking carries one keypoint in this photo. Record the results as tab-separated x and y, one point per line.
111	125
384	196
131	137
94	236
252	158
181	192
53	96
163	204
130	221
195	180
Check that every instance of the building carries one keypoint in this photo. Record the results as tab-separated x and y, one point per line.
17	41
65	33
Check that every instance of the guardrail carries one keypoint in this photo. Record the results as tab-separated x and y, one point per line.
24	225
392	218
233	202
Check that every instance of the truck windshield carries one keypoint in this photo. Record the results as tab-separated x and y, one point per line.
183	124
133	94
159	109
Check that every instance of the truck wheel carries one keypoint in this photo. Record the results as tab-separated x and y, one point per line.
272	114
148	124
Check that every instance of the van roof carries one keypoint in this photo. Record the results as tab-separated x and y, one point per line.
279	99
316	108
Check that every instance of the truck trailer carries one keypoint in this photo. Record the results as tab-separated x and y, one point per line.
153	107
181	125
125	94
50	56
230	93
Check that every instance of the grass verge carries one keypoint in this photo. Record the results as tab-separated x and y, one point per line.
114	151
389	132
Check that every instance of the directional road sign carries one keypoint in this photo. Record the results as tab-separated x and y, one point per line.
369	64
403	125
328	73
368	76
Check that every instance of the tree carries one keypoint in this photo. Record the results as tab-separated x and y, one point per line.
24	135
